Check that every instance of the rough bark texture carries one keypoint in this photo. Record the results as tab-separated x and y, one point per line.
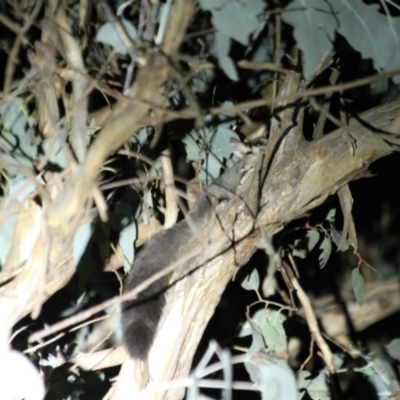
298	180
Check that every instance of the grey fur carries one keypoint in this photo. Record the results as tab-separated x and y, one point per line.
140	317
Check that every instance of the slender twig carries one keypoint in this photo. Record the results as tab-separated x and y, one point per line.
304	94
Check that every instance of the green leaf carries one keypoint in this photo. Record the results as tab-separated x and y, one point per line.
123	221
314	27
81	239
358	284
22	148
212	147
126	239
228	66
375	35
21	187
209	5
108	35
192	148
140	138
252	281
221	50
317	387
393	348
326	247
302	247
236	19
385	378
257	343
331	215
267	326
275	381
14	116
273	332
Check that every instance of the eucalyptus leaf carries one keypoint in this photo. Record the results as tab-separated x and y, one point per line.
212	147
273	332
326	247
126	239
20	187
236	19
269	324
358	284
228	66
302	247
221	50
220	141
314	27
388	381
108	35
18	149
372	33
156	169
275	381
278	382
81	239
123	221
8	209
192	148
252	281
257	343
140	138
316	386
210	169
14	116
393	348
331	215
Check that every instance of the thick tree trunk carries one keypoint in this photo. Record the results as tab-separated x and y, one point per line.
301	176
